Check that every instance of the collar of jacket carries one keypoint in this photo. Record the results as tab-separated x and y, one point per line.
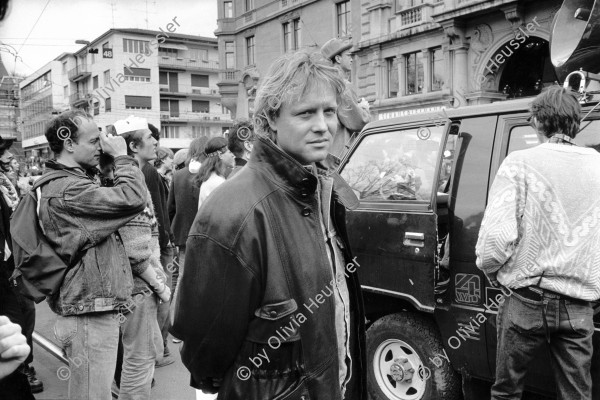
286	171
77	171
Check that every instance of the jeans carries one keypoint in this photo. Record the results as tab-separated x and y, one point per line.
166	260
139	348
90	342
564	326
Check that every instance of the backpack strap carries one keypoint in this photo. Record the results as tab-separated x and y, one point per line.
50	176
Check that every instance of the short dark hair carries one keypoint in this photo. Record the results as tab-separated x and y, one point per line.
135	137
155	132
241	132
63	127
557	110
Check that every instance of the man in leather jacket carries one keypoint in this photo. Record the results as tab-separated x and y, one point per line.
270	305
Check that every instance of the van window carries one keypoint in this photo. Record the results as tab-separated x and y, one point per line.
521	138
395	166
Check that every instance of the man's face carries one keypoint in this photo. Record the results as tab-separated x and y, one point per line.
304	128
147	146
168	163
345	61
5	161
86	150
14	165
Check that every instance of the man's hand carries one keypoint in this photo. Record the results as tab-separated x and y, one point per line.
13	347
165	295
113	145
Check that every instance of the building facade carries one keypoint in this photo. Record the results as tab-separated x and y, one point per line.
166	77
409	55
9	107
41	97
253	33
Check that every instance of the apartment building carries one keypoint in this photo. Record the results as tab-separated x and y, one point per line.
42	96
166	77
409	55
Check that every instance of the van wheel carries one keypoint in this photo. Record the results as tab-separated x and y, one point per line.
399	348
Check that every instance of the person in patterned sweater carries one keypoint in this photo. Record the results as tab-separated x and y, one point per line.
540	237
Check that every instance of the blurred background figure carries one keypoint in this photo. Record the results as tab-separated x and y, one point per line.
215	169
164	165
183	203
180	158
240	142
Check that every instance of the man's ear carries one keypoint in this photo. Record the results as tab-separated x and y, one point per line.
248	146
272	124
338	59
133	147
68	145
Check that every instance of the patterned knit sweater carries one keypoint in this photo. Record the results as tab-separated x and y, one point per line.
542	221
140	239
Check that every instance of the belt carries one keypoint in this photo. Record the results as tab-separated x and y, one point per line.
538	294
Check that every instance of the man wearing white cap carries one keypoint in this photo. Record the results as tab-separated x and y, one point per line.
80	220
353	114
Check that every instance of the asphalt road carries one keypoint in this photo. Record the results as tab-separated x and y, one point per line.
172	381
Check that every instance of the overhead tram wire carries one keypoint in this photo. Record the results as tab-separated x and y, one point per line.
34	25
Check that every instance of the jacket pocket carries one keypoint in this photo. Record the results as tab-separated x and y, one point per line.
295	392
275	323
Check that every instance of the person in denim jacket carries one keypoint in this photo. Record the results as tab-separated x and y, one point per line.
81	219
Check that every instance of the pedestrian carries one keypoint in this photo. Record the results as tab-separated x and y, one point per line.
164	166
139	325
183	205
240	142
181	156
265	245
81	221
218	162
155	185
353	113
13	305
539	237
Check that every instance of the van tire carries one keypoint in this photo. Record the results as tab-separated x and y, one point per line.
416	341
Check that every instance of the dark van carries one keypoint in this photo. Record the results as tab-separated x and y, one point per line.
423	183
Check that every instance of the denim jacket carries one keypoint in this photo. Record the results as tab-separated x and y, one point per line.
80	219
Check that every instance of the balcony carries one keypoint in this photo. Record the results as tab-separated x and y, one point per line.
187	63
188	91
80	97
229	76
414	16
79	73
190	116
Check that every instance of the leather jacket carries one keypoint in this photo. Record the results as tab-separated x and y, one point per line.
80	219
250	308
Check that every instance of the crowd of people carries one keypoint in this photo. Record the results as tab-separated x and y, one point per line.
237	247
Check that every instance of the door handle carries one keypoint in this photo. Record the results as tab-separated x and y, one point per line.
415	239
